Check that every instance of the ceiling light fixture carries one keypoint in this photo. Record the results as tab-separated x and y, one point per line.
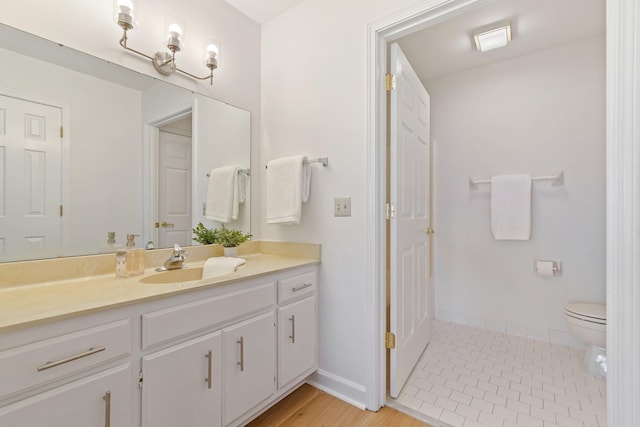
493	37
174	36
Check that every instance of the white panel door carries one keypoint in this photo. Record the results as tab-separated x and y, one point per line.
409	241
30	179
174	190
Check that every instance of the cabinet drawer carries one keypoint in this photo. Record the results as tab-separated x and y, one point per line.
296	286
173	322
47	360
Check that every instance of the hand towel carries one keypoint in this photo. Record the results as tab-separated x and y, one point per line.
288	185
222	194
219	266
511	207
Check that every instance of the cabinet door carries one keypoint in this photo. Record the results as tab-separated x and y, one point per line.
296	339
183	384
249	364
104	399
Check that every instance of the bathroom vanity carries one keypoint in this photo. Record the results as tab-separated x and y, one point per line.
121	352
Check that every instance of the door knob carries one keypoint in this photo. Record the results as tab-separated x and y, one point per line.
164	224
430	231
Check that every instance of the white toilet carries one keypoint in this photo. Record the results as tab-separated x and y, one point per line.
588	323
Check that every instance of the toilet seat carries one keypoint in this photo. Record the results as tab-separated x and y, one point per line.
587	312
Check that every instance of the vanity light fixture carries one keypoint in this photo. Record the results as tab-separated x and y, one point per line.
174	36
493	37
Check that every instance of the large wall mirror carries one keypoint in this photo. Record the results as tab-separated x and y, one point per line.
88	147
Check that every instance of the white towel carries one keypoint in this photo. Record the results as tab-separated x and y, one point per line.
221	265
511	207
288	185
223	194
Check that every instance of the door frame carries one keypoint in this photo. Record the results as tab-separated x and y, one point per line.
622	203
151	135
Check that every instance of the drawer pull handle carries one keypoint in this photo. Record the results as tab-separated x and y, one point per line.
208	379
107	409
241	362
299	288
71	358
293	329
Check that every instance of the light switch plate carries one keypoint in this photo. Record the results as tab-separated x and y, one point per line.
342	206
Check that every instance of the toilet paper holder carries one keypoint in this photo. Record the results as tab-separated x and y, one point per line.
547	267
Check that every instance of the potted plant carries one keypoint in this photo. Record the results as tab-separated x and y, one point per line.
228	238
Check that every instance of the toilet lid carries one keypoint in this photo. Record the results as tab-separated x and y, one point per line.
591	312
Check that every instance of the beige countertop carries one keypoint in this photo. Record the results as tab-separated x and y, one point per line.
36	303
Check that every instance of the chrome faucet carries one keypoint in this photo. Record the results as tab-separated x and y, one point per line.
176	260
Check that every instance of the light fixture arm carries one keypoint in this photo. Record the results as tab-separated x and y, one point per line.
165	63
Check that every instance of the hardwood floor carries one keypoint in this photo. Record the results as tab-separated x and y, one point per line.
310	407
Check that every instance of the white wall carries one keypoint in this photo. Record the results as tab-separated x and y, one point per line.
314	102
88	26
533	114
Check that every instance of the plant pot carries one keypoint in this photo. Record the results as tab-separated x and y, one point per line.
231	252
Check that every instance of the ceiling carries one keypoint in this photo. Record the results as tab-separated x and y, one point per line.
448	47
262	11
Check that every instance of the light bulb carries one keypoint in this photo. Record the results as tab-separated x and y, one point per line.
212	51
212	55
126	6
175	31
124	13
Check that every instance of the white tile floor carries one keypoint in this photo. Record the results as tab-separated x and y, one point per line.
472	377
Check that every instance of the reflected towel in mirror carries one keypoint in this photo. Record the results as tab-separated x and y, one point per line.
224	193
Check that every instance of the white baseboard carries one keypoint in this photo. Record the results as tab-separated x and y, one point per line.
338	387
535	332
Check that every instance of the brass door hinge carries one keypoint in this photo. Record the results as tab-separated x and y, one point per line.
140	379
389	340
61	132
61	210
390	82
390	211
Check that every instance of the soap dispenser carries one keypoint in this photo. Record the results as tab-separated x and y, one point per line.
135	257
130	261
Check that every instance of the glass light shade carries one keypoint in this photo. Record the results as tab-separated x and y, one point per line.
124	13
212	55
175	32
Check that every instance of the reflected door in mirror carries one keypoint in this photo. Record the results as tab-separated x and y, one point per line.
30	179
174	190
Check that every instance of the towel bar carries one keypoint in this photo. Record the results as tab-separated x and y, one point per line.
323	160
245	171
557	178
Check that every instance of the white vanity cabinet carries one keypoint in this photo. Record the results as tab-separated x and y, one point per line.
69	376
184	382
214	356
104	399
297	327
249	364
